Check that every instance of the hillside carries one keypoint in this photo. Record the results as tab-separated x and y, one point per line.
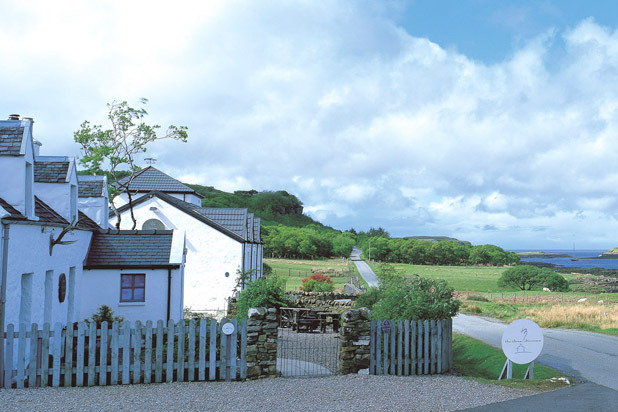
272	207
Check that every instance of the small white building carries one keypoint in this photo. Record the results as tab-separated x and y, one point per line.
221	242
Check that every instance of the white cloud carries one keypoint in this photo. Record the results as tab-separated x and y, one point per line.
335	103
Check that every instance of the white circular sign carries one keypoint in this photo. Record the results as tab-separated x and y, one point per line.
227	328
522	341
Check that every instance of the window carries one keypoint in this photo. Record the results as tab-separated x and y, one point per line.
153	224
133	287
62	287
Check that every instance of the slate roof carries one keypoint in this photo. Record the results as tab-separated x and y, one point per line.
10	140
150	178
257	226
46	213
229	221
51	171
130	249
86	223
14	213
233	219
91	188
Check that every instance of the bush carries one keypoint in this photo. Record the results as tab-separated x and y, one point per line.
104	314
318	283
416	298
368	299
267	292
527	277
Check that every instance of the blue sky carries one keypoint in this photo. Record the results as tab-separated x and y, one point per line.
490	121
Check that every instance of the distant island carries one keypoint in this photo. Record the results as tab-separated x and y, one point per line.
610	254
543	255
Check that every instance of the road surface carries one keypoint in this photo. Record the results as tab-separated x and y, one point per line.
364	269
586	356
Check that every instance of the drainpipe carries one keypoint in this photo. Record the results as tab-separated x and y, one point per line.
5	259
169	291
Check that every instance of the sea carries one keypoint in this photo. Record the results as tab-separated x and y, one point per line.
586	259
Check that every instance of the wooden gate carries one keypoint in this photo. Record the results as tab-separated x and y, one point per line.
411	347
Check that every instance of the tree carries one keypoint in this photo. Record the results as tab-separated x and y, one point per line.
113	151
527	277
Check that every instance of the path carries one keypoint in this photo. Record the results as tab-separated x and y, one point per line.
363	268
584	355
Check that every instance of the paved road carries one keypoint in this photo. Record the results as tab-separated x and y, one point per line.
586	356
363	268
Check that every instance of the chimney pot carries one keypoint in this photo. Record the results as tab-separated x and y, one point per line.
13	117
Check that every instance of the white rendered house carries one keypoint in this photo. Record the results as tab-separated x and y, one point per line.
221	243
57	265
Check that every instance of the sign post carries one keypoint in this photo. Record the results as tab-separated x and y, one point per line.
522	343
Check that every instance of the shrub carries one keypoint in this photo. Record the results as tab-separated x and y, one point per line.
318	283
527	277
369	298
267	291
104	314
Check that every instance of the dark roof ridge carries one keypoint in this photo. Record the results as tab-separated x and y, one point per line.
186	207
111	231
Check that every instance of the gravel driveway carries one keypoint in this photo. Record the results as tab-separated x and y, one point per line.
336	393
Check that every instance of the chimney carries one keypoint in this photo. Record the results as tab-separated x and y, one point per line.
13	117
27	118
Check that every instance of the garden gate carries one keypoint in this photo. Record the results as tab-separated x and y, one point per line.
308	343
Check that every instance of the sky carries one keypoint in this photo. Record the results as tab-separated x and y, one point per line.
489	121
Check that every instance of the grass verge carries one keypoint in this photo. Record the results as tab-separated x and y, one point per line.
475	359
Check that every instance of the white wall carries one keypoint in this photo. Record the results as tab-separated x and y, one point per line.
29	253
102	287
59	196
210	254
96	208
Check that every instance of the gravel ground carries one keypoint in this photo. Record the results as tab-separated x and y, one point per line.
335	393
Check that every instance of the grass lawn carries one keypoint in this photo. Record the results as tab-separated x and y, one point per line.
478	360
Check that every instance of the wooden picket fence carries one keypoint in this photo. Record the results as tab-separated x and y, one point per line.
123	354
411	347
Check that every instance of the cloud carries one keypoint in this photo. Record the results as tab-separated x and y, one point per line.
334	102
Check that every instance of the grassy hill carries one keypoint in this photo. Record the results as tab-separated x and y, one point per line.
272	207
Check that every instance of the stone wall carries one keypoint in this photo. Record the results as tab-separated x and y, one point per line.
262	343
354	341
327	301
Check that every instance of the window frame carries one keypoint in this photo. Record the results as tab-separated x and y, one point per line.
132	288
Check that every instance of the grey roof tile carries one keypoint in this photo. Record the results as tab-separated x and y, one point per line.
46	213
14	213
130	248
10	140
91	188
150	179
86	223
233	219
51	171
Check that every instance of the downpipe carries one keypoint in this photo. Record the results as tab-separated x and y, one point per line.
5	259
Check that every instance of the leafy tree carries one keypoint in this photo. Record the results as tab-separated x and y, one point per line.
527	277
112	151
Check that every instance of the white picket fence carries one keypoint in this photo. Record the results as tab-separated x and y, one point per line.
123	354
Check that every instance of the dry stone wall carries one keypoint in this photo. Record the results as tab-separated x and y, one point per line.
354	340
327	301
262	343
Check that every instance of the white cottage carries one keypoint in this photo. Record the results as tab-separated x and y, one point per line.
46	243
220	242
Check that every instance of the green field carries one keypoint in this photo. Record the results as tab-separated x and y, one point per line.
461	278
294	271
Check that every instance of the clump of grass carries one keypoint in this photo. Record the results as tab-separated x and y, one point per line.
477	298
581	316
476	359
472	309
